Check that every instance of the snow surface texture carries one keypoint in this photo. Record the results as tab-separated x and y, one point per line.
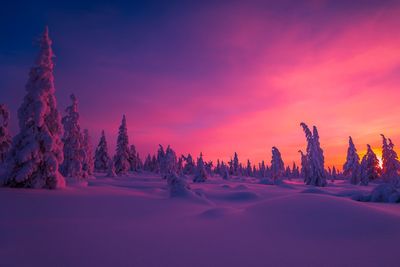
134	221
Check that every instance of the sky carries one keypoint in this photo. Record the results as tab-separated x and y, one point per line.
217	76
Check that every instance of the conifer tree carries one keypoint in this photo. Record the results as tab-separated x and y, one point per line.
5	137
133	160
74	152
37	149
190	166
369	167
249	170
351	167
200	174
88	162
235	164
390	162
102	157
315	171
121	158
277	165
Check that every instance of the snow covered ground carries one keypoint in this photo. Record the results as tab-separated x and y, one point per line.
131	221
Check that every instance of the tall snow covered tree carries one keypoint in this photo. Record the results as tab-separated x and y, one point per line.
102	157
390	162
369	167
121	157
88	162
201	173
37	149
5	137
314	158
277	165
351	167
74	153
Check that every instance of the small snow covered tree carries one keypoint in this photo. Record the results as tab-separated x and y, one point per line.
351	167
5	137
262	170
147	164
101	155
305	167
295	171
190	166
224	171
236	165
37	149
133	160
277	165
167	162
369	167
88	162
208	167
390	162
111	169
315	171
171	163
249	170
334	173
121	157
200	174
74	153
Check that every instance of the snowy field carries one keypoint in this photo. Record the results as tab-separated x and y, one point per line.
132	221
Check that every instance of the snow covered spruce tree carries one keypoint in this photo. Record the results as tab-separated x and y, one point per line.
190	166
277	165
133	160
235	164
74	152
305	166
369	167
37	149
314	171
148	164
111	169
200	173
102	158
121	157
5	137
177	184
88	162
351	167
249	169
224	171
390	162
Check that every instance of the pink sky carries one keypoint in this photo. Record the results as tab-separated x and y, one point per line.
232	78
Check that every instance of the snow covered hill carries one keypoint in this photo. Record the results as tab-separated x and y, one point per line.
132	221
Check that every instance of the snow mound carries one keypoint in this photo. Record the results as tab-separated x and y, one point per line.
313	190
215	213
241	196
266	181
382	193
75	182
241	187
